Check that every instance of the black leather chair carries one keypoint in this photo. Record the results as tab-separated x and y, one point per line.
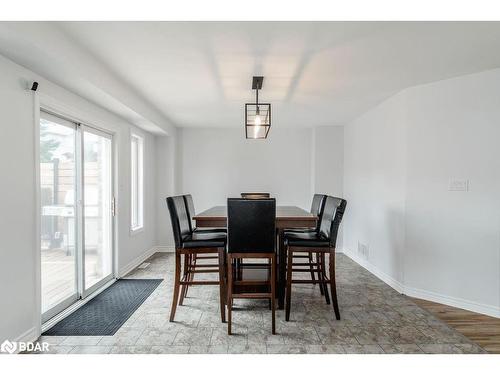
188	244
251	234
192	261
322	241
315	266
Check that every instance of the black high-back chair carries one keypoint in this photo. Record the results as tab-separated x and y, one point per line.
251	234
313	265
190	244
321	241
193	261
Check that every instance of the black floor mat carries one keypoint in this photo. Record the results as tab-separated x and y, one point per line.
105	313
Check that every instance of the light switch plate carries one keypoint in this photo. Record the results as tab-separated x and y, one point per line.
459	185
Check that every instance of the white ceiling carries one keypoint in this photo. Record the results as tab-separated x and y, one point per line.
198	74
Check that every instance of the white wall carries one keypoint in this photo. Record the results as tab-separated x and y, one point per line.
166	186
374	185
328	164
19	319
215	164
399	159
453	238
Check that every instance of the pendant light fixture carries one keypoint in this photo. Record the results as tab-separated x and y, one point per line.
257	115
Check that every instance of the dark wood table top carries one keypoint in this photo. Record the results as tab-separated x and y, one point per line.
286	217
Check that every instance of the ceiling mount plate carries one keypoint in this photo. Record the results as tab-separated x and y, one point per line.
257	82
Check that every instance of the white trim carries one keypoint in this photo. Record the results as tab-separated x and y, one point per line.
75	306
389	280
37	319
480	308
139	181
460	303
136	262
31	335
165	249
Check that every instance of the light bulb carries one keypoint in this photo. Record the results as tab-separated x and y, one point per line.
258	121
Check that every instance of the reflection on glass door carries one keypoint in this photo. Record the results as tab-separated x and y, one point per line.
58	208
97	198
76	226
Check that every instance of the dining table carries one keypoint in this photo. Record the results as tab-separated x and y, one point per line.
287	217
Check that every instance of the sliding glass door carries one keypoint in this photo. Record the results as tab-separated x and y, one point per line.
97	198
76	196
58	225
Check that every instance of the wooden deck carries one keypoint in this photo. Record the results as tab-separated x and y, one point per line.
482	329
58	275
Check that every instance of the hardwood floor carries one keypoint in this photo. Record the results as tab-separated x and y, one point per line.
482	329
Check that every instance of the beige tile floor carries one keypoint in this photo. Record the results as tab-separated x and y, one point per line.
375	319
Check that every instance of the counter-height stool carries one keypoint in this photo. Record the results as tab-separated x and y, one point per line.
191	260
321	241
317	265
251	233
188	244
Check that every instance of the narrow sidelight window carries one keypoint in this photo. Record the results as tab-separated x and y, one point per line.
137	182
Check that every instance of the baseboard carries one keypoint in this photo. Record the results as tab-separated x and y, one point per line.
136	262
389	280
460	303
30	335
165	249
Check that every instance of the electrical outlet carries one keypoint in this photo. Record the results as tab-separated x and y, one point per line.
459	185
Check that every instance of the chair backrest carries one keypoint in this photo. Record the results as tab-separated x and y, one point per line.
188	200
251	225
255	195
317	206
333	211
316	203
179	218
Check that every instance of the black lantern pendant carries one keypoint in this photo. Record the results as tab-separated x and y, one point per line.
257	115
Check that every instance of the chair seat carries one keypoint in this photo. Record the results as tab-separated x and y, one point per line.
197	239
305	239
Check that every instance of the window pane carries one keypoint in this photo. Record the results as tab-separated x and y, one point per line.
97	210
58	201
136	182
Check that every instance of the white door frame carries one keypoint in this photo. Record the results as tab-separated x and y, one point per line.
81	293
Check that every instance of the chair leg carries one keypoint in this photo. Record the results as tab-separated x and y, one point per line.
186	274
192	264
325	283
311	267
175	297
320	278
229	293
332	283
222	285
289	283
273	294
